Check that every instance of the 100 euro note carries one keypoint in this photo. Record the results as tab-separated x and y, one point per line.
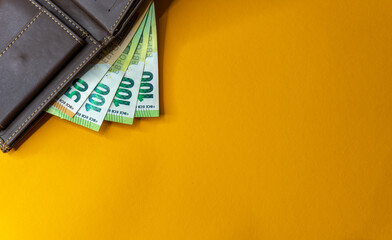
93	111
148	99
123	107
82	86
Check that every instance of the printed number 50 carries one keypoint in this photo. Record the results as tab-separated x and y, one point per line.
79	85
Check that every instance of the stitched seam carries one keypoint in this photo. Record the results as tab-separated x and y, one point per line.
3	146
56	90
20	34
118	19
71	34
69	20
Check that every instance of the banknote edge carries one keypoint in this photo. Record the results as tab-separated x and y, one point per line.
77	120
119	119
147	113
63	109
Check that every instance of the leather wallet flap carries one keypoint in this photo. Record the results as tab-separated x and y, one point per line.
33	54
98	17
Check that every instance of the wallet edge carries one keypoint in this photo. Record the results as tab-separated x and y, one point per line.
3	146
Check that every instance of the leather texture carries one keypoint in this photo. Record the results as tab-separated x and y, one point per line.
43	45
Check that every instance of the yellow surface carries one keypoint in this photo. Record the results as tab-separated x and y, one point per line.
277	124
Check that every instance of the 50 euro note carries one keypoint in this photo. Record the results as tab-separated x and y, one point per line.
93	111
84	84
123	107
148	98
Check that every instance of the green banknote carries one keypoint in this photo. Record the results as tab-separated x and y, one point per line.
148	99
93	111
73	99
123	107
70	102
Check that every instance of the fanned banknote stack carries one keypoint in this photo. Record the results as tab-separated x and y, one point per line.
120	85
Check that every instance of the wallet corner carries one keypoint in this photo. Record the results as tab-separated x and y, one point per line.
3	146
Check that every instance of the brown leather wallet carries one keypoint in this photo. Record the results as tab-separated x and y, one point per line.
43	45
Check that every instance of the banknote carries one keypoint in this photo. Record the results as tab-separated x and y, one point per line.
82	86
93	111
148	98
123	107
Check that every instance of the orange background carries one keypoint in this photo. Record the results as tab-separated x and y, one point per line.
276	124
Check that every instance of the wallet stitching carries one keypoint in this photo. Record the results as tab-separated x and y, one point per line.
71	34
6	147
69	20
47	99
118	19
20	34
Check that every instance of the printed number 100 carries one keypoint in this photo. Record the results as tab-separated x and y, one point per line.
96	100
123	94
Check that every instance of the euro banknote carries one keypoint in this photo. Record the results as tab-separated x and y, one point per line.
93	111
82	86
148	98
123	107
